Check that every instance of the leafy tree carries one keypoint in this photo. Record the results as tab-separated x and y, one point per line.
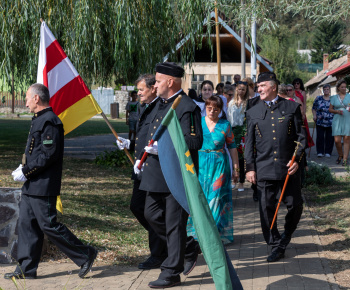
327	38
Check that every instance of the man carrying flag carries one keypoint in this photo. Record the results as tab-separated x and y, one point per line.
162	210
41	171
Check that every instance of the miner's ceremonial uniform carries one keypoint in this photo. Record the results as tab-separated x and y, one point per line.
146	114
42	166
272	129
162	211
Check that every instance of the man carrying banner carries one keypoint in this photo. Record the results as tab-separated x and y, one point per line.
162	211
148	97
41	171
273	126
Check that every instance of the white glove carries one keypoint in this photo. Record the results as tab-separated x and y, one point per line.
18	174
152	149
136	170
123	143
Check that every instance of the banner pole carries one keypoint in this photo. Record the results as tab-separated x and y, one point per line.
116	136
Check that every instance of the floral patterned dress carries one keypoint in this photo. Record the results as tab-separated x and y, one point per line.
215	177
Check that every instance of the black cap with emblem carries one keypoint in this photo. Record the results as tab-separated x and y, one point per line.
170	69
267	76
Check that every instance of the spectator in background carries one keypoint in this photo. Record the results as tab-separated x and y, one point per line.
323	119
207	90
236	78
228	92
219	89
340	106
192	94
227	83
236	116
131	115
251	88
282	91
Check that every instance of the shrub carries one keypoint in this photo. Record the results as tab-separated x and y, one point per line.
318	174
115	158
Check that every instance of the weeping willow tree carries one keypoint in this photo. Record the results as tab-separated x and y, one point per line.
122	38
103	38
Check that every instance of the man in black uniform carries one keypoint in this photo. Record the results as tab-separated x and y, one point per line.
148	97
273	126
162	211
41	170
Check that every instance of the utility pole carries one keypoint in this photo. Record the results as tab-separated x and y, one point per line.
253	50
242	46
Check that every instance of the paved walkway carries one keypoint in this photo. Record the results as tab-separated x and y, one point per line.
304	266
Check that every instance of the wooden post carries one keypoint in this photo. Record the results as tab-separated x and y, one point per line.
218	50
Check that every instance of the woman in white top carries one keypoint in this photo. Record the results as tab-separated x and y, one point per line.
236	117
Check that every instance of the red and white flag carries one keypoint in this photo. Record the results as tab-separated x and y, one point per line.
70	98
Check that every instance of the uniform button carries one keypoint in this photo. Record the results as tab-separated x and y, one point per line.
273	131
166	102
272	118
151	134
146	164
149	141
273	124
135	158
157	120
275	159
271	112
274	138
137	138
154	127
275	152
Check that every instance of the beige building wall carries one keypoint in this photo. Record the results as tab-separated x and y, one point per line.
210	72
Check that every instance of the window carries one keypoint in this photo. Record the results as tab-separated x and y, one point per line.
226	78
196	83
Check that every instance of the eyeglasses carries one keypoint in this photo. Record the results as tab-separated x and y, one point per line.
212	109
242	83
289	90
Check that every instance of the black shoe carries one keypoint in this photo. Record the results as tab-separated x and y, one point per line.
167	283
275	256
85	268
151	263
18	275
191	263
285	239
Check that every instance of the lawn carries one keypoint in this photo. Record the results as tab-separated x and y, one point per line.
95	198
330	208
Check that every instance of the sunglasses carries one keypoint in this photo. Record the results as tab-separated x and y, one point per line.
289	90
212	109
242	83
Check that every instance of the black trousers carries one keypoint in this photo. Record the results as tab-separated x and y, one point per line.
38	216
137	206
269	193
241	171
324	140
169	220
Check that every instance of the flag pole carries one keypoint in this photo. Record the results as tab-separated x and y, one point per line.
116	136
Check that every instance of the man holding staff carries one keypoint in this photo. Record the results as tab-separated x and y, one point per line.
165	215
148	97
273	126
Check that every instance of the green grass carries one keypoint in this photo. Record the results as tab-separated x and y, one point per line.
95	198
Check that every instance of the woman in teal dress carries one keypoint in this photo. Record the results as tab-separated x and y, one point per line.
214	169
340	107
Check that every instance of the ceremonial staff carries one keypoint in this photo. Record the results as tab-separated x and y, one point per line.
145	154
285	184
